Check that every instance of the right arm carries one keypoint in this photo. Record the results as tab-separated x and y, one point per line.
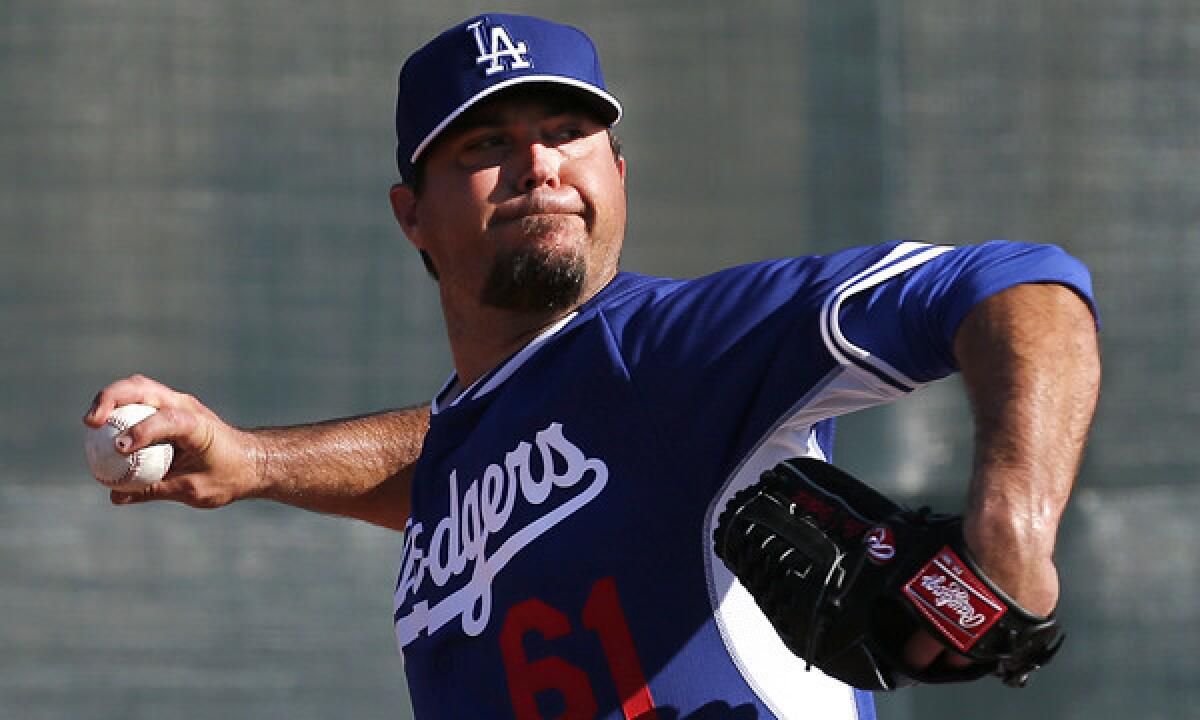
358	467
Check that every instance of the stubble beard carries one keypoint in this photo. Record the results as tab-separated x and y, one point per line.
533	277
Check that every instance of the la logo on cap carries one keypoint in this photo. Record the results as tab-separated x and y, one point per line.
501	46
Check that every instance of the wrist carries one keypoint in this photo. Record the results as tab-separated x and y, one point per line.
1023	528
259	454
1017	554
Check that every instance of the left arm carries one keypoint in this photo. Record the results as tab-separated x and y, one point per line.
1030	359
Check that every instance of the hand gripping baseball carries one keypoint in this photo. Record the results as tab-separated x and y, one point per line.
214	464
846	577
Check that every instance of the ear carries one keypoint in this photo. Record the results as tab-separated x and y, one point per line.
404	207
621	168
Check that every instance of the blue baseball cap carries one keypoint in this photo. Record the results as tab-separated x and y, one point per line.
482	56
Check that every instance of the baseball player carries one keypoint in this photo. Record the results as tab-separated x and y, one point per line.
557	557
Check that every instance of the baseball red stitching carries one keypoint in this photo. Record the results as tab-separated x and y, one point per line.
134	460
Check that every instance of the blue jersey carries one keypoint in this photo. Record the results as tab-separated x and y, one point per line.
559	561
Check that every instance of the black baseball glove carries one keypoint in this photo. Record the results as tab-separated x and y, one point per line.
846	576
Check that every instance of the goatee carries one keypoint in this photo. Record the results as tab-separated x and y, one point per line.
534	279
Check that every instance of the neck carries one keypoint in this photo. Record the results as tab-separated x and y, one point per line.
483	341
482	337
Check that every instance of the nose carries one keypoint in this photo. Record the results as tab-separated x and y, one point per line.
540	166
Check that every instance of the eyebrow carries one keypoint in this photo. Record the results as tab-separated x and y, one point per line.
479	118
487	116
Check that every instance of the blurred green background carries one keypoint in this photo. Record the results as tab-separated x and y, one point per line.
197	191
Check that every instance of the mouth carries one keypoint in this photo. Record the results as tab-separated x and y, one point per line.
537	209
548	229
533	217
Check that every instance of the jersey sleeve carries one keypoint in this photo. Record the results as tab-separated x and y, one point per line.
725	360
901	326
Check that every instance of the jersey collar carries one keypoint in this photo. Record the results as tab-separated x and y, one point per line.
452	392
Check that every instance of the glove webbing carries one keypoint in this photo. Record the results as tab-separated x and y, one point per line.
804	542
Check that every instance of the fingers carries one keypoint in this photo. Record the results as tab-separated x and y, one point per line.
133	389
923	651
182	428
179	419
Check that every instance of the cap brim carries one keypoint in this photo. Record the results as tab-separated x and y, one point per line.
608	106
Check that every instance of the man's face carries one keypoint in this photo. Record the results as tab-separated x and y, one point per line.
522	205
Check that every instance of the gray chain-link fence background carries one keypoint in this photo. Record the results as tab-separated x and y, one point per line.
197	191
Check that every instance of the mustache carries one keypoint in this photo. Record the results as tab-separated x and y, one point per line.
537	204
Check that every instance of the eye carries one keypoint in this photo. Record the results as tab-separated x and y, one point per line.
568	132
486	141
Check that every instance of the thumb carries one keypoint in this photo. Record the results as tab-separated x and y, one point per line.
171	488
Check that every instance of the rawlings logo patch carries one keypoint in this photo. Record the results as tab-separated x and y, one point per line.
954	600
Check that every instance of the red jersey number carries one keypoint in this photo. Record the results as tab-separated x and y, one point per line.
602	615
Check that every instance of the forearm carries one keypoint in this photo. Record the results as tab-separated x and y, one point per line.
1031	364
357	467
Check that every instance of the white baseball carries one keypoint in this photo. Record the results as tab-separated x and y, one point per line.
126	472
